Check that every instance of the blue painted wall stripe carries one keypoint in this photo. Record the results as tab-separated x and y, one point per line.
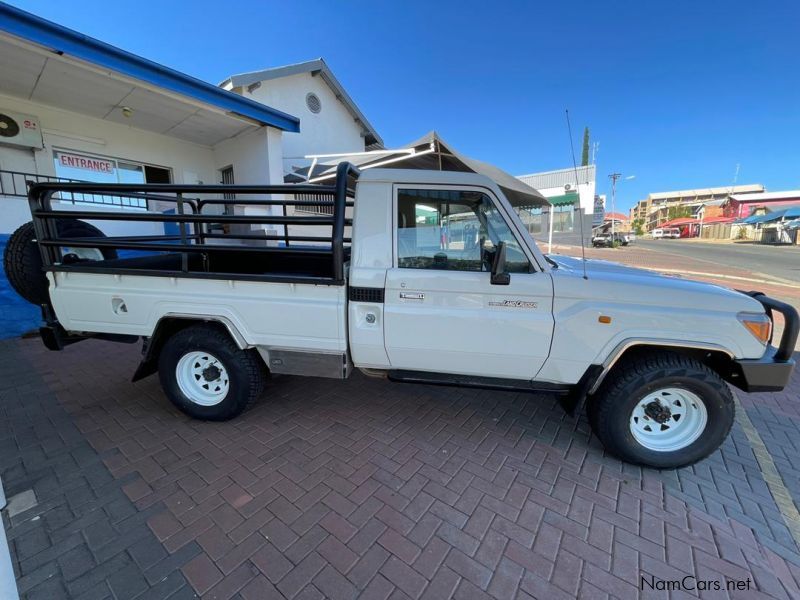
17	316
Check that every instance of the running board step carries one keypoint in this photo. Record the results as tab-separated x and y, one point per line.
491	383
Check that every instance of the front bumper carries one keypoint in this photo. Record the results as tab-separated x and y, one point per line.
771	372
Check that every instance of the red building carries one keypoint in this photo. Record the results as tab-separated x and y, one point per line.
740	206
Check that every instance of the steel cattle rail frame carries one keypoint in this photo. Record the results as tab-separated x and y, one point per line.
340	196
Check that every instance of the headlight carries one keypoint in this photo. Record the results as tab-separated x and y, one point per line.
759	324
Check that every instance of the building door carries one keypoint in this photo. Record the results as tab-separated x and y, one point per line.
442	314
157	175
227	179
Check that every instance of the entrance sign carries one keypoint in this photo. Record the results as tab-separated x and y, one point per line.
87	163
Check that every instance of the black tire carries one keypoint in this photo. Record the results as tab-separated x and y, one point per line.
245	371
611	408
22	260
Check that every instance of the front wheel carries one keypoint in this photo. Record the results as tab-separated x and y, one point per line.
662	410
207	376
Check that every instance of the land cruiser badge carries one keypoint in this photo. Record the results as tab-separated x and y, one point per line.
514	304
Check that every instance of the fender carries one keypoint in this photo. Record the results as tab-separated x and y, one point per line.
169	324
614	356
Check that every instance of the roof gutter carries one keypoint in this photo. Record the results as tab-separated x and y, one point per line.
64	41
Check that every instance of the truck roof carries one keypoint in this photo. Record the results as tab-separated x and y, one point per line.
518	195
426	177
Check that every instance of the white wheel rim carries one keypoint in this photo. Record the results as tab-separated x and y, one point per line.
84	253
668	419
202	378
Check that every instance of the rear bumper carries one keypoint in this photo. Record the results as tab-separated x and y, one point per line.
771	372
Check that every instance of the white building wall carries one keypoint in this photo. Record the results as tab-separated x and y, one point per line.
256	158
333	129
255	155
65	130
249	155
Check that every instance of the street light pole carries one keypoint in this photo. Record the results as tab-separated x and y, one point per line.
613	177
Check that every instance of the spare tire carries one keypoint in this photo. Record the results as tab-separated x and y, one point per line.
22	260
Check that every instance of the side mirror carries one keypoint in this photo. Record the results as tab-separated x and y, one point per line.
499	275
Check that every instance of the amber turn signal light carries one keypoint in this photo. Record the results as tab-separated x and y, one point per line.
759	325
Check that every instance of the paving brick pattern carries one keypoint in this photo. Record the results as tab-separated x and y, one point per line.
84	538
363	488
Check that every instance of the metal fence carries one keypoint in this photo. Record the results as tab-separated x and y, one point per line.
15	185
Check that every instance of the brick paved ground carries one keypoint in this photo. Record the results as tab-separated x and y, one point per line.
339	489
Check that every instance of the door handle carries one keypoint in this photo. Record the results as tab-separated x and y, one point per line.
412	296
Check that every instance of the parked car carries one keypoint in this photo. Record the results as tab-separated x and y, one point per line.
441	284
606	240
670	233
602	240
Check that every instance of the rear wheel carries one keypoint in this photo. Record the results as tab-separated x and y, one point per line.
663	410
207	376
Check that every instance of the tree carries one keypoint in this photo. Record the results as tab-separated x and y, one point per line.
638	226
678	212
585	153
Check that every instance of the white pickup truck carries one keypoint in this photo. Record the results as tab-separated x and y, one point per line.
420	276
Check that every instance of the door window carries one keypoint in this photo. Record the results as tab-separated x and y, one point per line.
453	230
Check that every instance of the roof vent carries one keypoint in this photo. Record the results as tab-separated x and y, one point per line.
313	103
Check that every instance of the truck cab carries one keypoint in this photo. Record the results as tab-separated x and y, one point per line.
429	245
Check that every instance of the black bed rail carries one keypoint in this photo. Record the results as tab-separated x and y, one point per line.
195	233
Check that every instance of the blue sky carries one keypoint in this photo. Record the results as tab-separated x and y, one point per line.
676	93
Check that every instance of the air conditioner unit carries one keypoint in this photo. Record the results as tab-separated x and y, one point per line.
567	187
22	131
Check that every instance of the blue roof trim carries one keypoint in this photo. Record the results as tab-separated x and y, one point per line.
71	43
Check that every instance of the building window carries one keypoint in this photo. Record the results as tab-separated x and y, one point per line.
562	211
531	217
100	169
452	230
563	218
313	103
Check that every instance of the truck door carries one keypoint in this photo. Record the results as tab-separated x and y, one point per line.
442	313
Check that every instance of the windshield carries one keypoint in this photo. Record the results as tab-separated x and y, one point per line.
516	214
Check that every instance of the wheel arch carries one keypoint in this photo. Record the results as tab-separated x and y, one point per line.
717	357
169	325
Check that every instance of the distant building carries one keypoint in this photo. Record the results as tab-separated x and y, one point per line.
655	210
566	191
619	222
741	206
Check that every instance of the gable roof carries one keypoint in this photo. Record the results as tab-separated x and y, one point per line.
68	42
315	67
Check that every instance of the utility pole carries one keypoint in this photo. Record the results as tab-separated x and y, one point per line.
613	177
